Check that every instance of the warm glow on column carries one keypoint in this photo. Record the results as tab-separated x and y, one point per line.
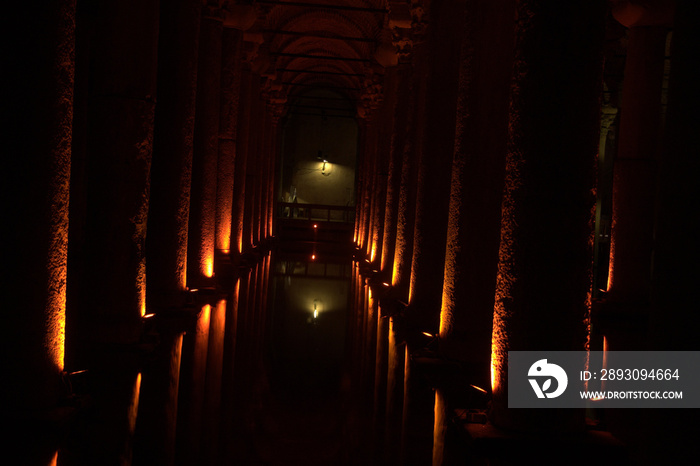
141	287
223	229
54	460
134	405
55	332
208	269
495	364
373	253
394	272
611	265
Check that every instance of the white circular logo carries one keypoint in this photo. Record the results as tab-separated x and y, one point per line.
545	372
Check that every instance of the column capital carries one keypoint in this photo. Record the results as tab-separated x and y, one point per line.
403	43
419	20
372	96
250	46
631	13
213	12
239	15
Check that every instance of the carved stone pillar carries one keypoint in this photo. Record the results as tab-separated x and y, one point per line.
202	232
478	170
38	117
239	183
544	274
228	129
168	214
635	175
434	166
403	254
398	143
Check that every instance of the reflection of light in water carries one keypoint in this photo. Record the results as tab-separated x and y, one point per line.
134	405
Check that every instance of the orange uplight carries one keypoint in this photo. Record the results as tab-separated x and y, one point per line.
56	333
386	284
313	257
495	362
54	460
611	266
394	272
315	226
604	364
149	316
428	334
478	388
373	253
209	266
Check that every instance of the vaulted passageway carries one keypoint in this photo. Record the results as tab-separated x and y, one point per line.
291	232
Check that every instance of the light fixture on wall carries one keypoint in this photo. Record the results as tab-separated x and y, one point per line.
322	153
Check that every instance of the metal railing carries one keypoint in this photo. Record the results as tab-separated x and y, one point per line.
319	212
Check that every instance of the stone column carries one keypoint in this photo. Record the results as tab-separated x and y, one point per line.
171	170
37	127
545	256
202	231
239	183
368	164
403	254
478	169
434	165
261	166
119	61
386	128
120	135
674	317
361	182
635	175
251	173
398	142
228	127
168	215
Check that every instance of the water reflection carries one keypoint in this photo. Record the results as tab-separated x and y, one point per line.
308	327
303	417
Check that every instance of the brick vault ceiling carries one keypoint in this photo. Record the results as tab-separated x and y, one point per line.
322	44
